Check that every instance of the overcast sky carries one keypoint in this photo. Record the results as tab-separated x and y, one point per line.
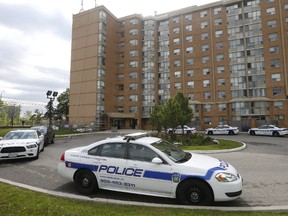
35	41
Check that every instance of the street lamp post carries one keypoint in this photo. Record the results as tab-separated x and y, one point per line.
51	96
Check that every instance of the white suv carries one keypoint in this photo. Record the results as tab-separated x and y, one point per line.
140	164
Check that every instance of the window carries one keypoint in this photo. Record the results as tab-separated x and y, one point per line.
132	43
274	50
188	16
273	37
206	71
205	59
133	86
276	77
120	98
204	36
278	105
222	107
134	21
133	109
141	153
120	87
221	82
279	117
176	40
220	69
190	73
175	19
218	22
270	11
221	94
204	25
206	83
134	53
205	47
134	32
114	150
275	63
207	95
218	33
121	77
286	7
189	50
176	63
207	107
176	52
133	75
272	24
189	38
207	120
191	96
219	45
189	61
276	91
177	85
176	30
219	57
190	84
177	74
203	14
217	10
133	98
133	64
188	28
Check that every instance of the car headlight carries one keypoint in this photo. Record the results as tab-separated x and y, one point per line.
225	177
33	145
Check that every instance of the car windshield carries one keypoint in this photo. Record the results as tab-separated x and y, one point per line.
20	135
174	153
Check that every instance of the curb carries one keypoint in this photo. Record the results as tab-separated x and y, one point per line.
122	202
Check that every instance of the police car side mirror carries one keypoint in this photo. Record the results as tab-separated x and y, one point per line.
157	160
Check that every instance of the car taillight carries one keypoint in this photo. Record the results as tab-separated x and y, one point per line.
62	157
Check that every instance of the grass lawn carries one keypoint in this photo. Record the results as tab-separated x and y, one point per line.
223	144
17	201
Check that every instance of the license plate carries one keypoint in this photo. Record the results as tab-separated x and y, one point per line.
11	155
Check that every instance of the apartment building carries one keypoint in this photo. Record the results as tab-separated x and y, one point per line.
228	57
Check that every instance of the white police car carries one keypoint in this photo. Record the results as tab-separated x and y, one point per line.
222	129
146	165
180	130
268	130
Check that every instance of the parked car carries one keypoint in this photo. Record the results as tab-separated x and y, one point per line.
137	163
222	129
21	144
48	132
179	130
268	130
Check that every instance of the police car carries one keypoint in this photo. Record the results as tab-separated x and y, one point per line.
140	164
222	129
268	130
179	130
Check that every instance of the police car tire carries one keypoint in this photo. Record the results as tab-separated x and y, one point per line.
231	132
210	133
195	192
276	134
252	132
86	182
38	151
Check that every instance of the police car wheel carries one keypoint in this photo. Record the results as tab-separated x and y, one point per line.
38	151
86	182
231	132
252	132
210	133
194	192
276	133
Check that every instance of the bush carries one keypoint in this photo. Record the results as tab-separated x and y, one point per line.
188	139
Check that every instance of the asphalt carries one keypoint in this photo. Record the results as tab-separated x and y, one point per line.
112	201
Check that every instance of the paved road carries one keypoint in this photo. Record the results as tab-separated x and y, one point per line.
263	165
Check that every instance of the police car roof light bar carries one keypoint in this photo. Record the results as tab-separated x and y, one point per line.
135	136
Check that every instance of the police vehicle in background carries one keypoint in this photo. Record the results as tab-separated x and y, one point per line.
180	130
222	129
268	130
140	164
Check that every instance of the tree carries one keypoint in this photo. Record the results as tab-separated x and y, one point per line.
36	117
62	110
13	113
174	112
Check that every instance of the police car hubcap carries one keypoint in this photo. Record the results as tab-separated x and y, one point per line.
85	182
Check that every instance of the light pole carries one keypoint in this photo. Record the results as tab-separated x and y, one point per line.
51	96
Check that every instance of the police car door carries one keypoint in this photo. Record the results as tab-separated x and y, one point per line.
110	167
148	178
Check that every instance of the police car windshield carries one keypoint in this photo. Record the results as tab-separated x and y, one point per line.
174	153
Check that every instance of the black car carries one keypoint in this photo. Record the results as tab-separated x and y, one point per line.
48	132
